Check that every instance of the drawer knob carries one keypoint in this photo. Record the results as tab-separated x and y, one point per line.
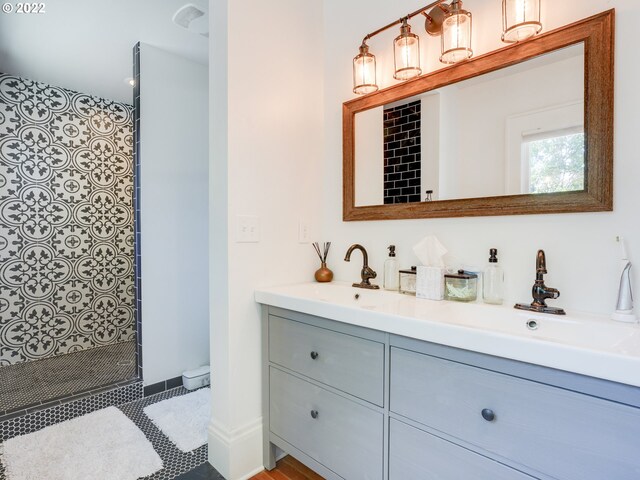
314	414
314	355
488	415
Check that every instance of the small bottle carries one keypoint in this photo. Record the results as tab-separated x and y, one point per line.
493	289
391	270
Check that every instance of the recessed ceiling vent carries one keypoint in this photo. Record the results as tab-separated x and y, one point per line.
192	19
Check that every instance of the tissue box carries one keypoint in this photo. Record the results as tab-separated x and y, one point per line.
430	283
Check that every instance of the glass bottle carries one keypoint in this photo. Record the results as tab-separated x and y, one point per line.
391	270
493	282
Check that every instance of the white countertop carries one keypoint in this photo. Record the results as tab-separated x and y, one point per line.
582	343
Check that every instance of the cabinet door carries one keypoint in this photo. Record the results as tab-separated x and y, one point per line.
351	364
344	436
417	455
563	434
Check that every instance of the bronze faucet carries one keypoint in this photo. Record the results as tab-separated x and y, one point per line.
540	291
366	273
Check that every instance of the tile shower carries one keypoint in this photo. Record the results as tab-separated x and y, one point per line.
67	294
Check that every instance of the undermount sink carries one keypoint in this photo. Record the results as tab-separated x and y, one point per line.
578	342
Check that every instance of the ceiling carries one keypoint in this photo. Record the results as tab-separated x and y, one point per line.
86	45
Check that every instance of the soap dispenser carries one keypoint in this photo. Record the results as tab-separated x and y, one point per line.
493	281
391	270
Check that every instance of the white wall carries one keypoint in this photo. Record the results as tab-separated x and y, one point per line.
87	45
267	143
581	251
430	133
369	157
174	214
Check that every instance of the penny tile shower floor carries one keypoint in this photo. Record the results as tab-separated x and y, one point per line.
38	382
175	462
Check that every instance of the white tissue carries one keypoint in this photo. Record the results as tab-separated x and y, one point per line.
430	251
430	276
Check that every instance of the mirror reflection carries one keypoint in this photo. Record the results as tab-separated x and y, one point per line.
517	130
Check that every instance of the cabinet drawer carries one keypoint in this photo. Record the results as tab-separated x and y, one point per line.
344	436
351	364
417	455
560	433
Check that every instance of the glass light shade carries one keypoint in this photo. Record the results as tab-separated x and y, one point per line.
520	20
406	54
456	36
364	72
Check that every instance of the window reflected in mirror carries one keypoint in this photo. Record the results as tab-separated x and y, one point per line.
554	163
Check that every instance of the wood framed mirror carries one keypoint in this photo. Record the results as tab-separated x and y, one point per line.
531	126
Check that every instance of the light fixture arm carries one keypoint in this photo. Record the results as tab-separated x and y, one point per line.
443	8
435	18
403	19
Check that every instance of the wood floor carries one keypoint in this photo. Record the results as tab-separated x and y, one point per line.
288	469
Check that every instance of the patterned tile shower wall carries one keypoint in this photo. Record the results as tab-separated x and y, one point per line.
66	221
402	158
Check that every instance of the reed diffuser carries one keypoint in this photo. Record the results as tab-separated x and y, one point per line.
323	274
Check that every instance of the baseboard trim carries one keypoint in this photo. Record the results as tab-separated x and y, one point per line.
163	386
236	453
255	472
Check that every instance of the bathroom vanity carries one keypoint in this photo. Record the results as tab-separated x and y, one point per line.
376	385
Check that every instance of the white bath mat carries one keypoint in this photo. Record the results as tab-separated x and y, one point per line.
104	444
183	419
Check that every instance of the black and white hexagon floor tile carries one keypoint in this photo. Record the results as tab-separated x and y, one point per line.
175	461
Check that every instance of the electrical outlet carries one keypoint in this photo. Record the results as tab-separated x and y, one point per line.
248	229
303	232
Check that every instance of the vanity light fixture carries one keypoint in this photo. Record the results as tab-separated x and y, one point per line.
520	20
364	71
406	53
452	22
456	34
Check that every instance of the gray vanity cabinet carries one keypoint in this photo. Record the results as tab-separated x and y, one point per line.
324	395
551	430
346	362
358	404
416	454
340	434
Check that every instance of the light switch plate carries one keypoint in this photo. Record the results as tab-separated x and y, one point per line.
248	229
303	232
